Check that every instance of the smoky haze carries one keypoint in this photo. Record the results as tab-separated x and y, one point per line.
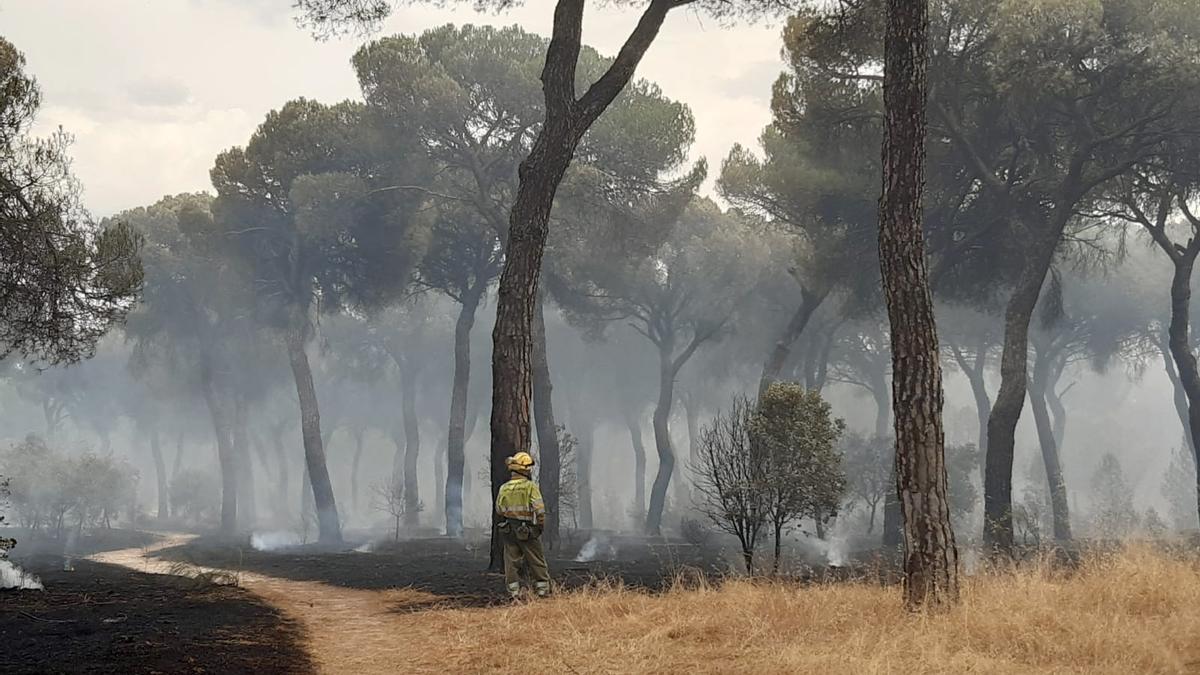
320	285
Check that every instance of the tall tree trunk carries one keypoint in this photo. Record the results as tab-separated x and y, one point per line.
583	424
930	556
549	453
247	508
177	463
639	459
457	435
1180	395
1006	412
1045	431
412	446
354	466
439	472
160	473
974	372
773	366
893	520
329	528
281	457
567	119
1180	344
225	454
662	441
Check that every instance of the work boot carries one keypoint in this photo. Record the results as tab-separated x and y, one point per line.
542	588
514	590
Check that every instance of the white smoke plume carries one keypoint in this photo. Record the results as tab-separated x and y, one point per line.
833	548
596	547
273	541
13	577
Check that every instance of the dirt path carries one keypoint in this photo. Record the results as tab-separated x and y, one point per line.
346	630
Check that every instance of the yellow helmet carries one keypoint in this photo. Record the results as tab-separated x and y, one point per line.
521	462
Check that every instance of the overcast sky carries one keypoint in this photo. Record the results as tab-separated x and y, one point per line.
152	90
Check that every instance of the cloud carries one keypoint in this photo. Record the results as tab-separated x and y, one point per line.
158	92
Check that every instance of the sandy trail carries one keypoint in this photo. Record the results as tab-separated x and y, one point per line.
346	630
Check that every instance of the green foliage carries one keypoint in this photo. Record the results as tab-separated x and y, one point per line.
1113	515
798	437
48	487
64	281
302	209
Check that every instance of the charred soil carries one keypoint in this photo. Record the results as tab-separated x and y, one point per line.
108	619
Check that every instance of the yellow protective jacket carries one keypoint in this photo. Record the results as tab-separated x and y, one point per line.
520	499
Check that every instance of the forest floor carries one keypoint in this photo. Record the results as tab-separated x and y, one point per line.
1136	610
105	617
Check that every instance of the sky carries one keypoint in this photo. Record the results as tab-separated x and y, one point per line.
152	90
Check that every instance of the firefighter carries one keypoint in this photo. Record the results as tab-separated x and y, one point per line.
522	516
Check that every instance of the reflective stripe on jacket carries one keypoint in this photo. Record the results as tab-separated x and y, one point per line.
520	499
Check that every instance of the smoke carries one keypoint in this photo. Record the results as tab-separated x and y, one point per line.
833	548
595	547
13	577
273	541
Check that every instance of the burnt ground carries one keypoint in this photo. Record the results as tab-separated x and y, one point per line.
108	619
457	573
454	572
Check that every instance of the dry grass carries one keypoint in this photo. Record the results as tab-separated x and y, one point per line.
1133	612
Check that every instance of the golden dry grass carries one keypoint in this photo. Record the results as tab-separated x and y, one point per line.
1133	612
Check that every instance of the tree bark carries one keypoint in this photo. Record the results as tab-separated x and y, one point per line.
773	366
583	424
1180	396
225	454
160	473
281	457
329	528
354	466
412	444
567	119
930	555
456	436
547	431
177	463
1049	445
662	441
1180	345
247	509
639	459
1006	412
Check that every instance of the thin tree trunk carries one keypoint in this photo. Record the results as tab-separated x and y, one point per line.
225	455
584	426
773	366
662	441
550	457
329	528
1180	395
778	545
282	458
177	463
247	509
1180	345
160	473
354	466
931	558
639	459
1049	446
412	446
456	435
568	117
439	472
1006	412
